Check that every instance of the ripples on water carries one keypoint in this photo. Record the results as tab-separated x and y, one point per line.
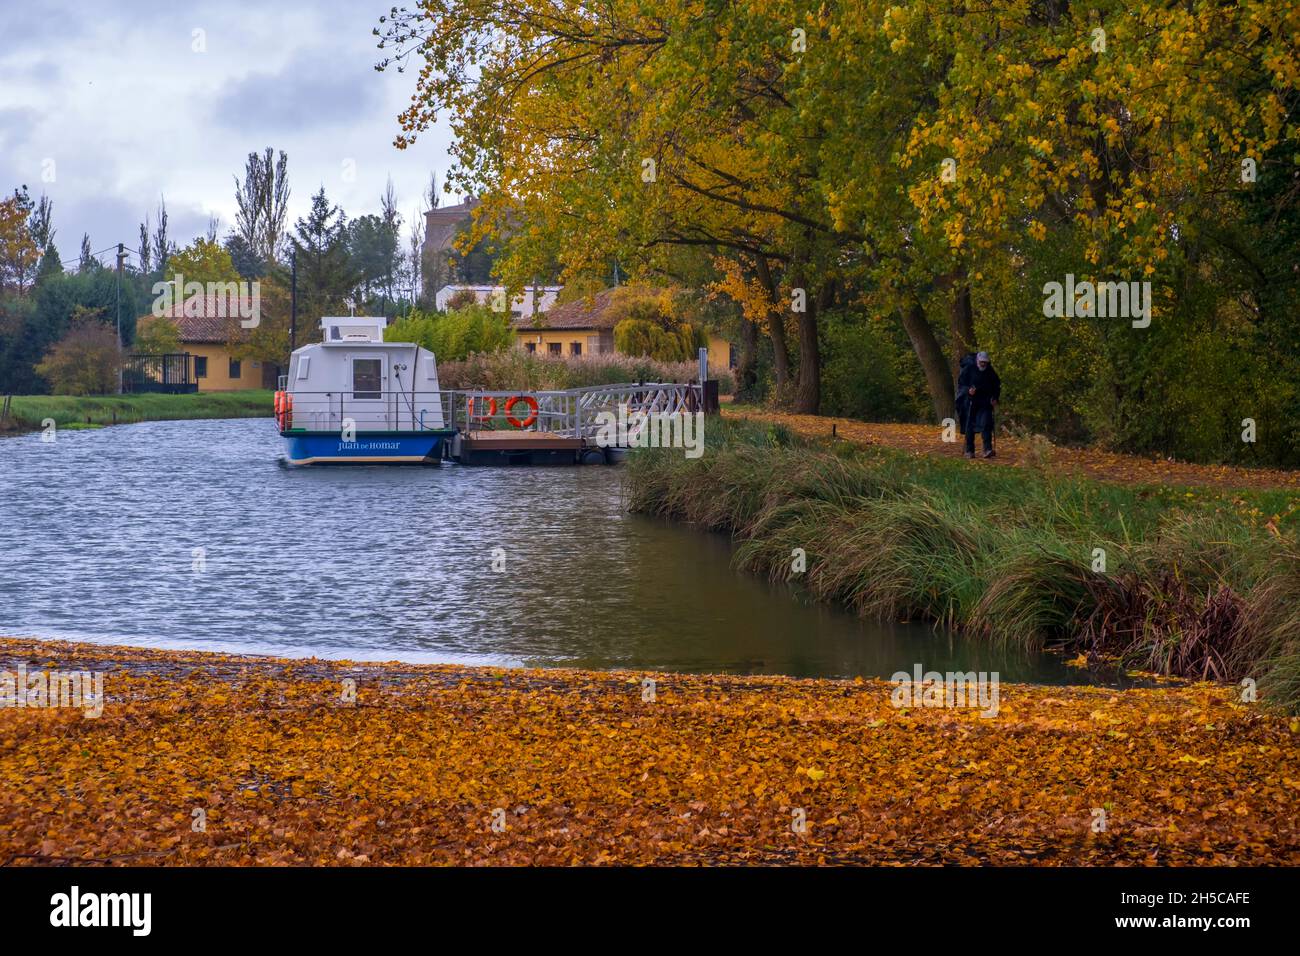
98	531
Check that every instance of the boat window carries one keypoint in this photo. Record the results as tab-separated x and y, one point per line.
366	382
304	362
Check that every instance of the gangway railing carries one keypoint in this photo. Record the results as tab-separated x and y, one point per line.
572	413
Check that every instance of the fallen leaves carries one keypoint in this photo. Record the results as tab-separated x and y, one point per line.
1087	462
446	765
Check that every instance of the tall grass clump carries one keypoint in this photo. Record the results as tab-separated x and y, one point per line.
1036	596
514	368
1271	626
1004	555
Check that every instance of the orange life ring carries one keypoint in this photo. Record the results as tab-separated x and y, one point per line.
492	408
532	416
284	410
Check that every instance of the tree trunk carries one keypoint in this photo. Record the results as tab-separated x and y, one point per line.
747	367
808	387
775	326
961	321
938	379
808	394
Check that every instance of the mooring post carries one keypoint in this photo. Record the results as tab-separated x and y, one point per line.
710	395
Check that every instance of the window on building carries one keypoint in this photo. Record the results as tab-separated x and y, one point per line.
575	348
200	366
366	378
555	348
235	370
531	346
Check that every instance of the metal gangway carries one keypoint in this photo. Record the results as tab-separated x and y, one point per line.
579	412
575	413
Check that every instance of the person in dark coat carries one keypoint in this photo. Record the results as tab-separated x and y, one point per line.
962	399
978	392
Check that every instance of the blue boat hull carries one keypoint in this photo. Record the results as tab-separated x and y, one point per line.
368	448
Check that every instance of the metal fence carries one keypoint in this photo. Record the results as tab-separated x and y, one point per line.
573	413
170	373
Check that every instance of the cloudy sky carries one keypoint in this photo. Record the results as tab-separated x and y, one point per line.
106	107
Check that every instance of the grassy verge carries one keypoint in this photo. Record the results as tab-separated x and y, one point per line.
28	411
1195	582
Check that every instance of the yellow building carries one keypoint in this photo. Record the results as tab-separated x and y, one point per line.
206	328
586	327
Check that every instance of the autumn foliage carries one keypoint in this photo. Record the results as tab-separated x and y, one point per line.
921	170
86	361
211	759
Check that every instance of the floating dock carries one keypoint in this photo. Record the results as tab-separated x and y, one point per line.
522	448
565	427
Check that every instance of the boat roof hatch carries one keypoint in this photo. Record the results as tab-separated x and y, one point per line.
340	329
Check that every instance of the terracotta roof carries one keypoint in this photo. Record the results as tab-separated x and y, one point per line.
208	318
585	313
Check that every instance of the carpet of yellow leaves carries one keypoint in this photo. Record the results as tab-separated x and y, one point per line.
452	765
1082	462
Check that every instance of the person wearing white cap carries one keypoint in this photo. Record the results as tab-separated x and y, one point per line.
978	391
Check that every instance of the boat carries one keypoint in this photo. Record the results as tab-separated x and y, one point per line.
353	399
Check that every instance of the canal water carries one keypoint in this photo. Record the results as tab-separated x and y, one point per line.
195	535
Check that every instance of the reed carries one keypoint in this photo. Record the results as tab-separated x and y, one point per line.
514	368
1193	584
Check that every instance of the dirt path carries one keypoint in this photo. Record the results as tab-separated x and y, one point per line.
1088	462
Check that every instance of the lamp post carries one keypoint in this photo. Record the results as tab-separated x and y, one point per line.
293	298
121	256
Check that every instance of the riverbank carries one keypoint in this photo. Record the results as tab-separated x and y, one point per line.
215	759
1201	582
27	412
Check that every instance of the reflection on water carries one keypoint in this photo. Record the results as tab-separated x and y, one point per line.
100	531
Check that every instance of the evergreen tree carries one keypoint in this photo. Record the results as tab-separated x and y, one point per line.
51	264
326	275
40	226
247	262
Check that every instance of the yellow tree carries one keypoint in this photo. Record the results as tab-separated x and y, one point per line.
618	130
18	252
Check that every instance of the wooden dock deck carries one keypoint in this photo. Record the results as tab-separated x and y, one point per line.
522	448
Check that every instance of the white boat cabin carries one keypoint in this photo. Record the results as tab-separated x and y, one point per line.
354	374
